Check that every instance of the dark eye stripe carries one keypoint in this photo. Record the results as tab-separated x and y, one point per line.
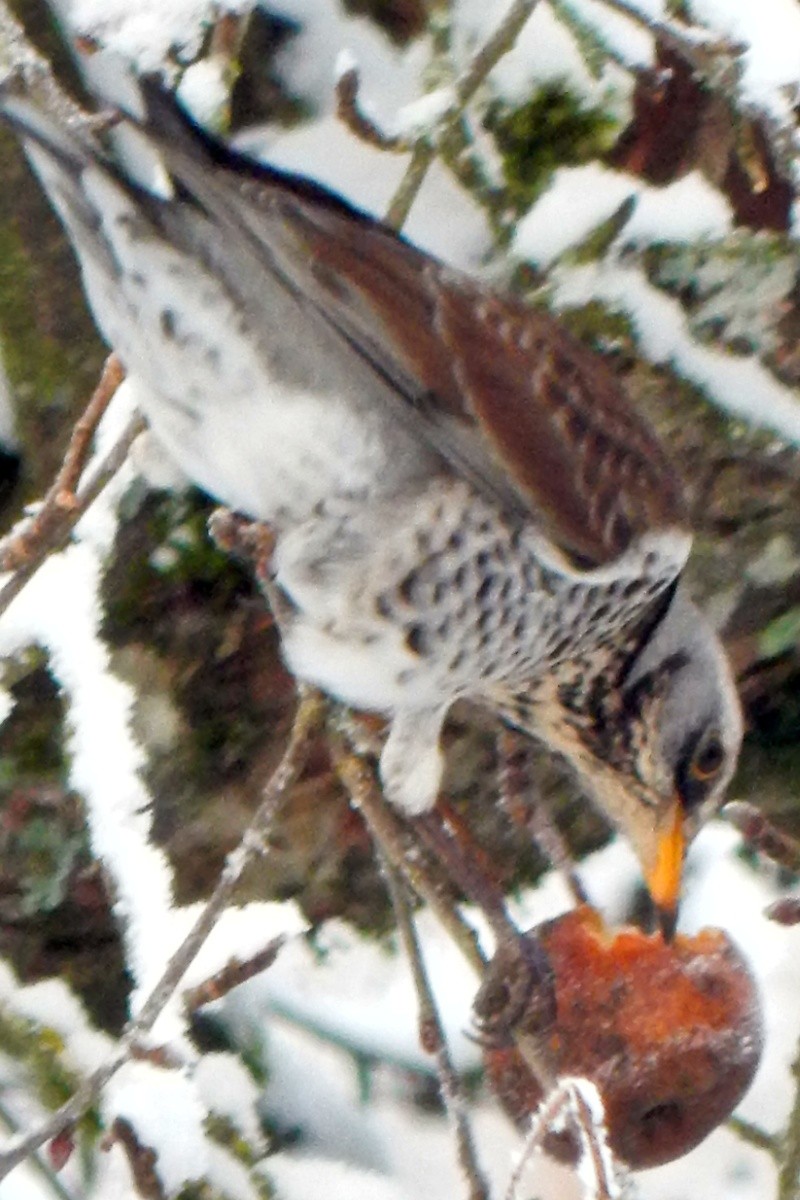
693	779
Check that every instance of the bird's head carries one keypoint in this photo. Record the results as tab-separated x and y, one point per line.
657	745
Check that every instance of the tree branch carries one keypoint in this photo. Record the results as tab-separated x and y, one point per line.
285	774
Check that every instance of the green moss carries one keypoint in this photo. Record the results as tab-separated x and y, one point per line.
554	128
40	1049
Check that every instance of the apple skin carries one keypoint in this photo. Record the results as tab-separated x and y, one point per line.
670	1032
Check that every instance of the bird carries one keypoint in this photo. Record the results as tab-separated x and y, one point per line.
465	504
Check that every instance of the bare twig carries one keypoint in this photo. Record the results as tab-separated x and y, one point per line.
754	1135
762	836
233	974
58	532
18	57
432	1036
789	1164
352	115
142	1159
464	88
515	754
306	721
37	532
391	835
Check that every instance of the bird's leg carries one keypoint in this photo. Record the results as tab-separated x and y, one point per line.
411	762
515	758
254	543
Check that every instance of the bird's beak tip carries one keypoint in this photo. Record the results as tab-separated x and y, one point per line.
667	922
664	880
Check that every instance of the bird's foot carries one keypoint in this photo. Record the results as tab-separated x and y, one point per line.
252	542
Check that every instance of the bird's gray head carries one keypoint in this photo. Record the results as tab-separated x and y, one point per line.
657	746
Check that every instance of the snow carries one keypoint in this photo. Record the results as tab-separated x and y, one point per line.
315	1018
770	30
162	1107
52	1005
227	1089
356	994
444	218
580	199
741	386
205	90
147	31
299	1178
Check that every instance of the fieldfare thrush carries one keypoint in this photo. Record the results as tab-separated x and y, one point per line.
465	504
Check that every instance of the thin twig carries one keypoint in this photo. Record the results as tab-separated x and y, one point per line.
234	973
38	1161
789	1165
99	478
762	836
17	549
575	1102
35	73
754	1135
464	88
307	719
390	834
350	113
515	754
432	1036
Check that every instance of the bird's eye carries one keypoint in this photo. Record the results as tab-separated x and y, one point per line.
707	759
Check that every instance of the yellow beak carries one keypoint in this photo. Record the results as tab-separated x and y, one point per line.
664	880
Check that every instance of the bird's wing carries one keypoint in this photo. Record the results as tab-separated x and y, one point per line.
499	390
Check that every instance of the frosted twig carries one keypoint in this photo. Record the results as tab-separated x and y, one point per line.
307	720
464	88
23	61
432	1035
574	1103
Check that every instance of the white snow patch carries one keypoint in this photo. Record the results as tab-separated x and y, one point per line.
580	199
52	1005
361	995
444	219
205	90
60	610
742	386
163	1108
227	1175
685	211
146	32
576	202
227	1088
298	1178
424	113
771	31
